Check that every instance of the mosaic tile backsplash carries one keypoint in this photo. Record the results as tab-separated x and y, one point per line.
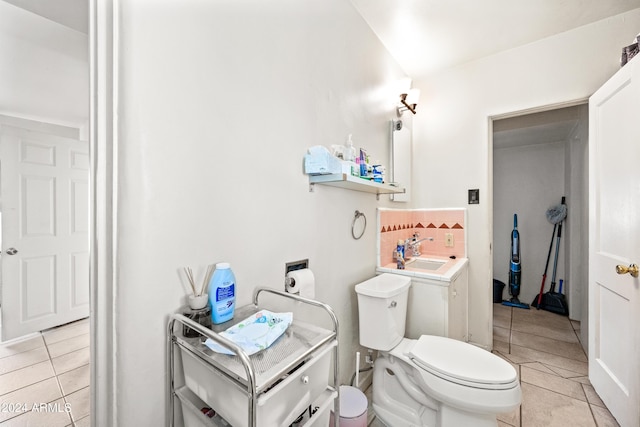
396	224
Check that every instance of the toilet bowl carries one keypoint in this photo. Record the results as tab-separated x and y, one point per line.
432	381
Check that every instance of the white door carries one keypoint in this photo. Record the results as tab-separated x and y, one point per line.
45	222
614	239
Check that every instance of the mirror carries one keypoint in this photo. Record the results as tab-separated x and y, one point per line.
401	159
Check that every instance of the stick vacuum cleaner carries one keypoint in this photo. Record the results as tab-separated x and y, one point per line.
514	269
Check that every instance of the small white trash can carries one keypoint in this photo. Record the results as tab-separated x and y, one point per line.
353	408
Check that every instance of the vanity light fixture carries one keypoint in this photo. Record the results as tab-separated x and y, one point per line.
409	101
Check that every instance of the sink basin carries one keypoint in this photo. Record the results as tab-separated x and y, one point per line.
426	264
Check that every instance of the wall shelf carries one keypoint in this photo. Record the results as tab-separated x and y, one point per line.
342	180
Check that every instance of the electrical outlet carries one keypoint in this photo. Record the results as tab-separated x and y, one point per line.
448	240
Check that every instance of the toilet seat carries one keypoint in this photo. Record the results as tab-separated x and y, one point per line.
462	363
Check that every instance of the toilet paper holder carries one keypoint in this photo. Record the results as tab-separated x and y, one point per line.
290	281
301	282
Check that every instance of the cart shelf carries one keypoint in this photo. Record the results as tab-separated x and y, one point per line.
297	364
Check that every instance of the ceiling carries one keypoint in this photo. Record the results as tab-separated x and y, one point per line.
70	13
538	128
425	36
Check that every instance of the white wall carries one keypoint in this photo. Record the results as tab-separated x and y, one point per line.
451	132
527	181
44	69
218	103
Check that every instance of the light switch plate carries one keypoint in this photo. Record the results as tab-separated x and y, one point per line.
474	197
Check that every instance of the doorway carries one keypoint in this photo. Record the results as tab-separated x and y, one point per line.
45	115
44	129
537	159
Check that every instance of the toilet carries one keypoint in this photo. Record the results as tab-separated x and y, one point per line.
432	381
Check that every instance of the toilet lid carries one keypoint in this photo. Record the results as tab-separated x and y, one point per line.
462	363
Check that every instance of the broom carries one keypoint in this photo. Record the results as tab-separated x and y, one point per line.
553	301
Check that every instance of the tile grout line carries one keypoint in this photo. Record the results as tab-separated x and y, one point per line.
578	338
41	336
547	337
518	364
64	398
511	329
552	354
32	336
583	386
590	407
20	388
522	401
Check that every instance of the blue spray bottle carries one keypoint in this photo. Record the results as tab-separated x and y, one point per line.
400	255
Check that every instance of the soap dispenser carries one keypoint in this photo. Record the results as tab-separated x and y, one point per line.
351	156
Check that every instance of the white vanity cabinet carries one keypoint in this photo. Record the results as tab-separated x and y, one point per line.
439	307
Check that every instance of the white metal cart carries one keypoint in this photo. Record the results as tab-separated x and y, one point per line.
286	383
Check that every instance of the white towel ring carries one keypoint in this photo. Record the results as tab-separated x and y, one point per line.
353	225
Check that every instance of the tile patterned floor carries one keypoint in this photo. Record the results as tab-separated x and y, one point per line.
545	350
44	378
53	368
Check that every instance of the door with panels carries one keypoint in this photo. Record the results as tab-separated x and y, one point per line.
45	230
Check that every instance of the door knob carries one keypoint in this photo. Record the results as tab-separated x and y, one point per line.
12	251
632	270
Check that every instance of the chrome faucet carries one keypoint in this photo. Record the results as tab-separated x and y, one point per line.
414	243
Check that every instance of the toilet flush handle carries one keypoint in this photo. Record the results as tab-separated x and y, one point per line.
393	304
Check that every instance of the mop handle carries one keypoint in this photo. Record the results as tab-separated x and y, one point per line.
555	260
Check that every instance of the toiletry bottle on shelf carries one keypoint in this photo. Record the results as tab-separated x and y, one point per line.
350	151
400	254
378	172
363	163
351	155
222	293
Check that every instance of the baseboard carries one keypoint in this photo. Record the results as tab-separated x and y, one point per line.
366	379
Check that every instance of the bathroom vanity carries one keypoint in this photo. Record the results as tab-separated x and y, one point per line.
438	297
287	382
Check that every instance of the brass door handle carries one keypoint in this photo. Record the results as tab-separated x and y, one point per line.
632	270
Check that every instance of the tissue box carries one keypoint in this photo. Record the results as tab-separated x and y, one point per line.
630	51
319	161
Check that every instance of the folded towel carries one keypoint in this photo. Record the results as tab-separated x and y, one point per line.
255	333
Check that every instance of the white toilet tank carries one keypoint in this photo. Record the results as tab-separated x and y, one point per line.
382	310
